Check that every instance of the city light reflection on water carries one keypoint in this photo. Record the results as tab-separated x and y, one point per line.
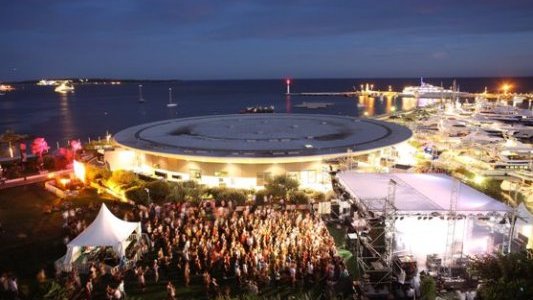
94	109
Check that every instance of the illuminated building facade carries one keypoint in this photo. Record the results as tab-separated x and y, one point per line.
245	150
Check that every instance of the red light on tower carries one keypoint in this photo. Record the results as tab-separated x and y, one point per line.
288	81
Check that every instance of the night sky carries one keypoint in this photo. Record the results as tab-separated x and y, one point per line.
245	39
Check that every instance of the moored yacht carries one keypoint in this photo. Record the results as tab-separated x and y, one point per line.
425	90
170	103
64	87
6	88
44	82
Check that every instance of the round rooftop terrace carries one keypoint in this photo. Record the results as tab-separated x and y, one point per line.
262	136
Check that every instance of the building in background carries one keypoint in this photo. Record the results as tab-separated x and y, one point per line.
245	150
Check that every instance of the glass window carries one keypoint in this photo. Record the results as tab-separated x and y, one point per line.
195	174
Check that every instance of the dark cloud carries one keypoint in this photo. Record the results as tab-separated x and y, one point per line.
209	33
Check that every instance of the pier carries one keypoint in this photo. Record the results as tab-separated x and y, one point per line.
387	94
367	90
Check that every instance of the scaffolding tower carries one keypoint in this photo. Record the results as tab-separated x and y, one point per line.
452	216
375	255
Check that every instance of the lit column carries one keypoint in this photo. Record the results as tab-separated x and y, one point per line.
288	81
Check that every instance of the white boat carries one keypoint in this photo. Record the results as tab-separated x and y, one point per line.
425	90
502	113
44	82
6	88
64	87
170	103
141	99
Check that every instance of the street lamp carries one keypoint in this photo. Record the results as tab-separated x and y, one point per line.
506	87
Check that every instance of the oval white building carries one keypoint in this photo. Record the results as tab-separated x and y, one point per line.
244	150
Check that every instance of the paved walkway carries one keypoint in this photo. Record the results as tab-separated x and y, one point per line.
32	179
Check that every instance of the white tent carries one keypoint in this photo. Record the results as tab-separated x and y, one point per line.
421	203
418	193
105	231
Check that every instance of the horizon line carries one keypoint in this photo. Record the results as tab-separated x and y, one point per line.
267	78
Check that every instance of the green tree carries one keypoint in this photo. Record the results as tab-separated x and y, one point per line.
260	196
190	191
299	197
318	196
12	138
49	162
505	276
159	190
237	196
176	193
428	288
138	195
193	190
281	186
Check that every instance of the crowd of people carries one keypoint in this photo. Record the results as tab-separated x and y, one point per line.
226	249
9	286
251	248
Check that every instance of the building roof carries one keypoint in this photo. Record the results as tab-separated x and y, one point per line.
262	135
424	193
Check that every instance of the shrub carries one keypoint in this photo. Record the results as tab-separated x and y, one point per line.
238	197
49	162
176	194
260	197
191	190
159	190
94	173
281	186
318	196
299	197
138	195
428	288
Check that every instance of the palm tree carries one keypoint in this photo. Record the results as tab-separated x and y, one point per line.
10	137
38	147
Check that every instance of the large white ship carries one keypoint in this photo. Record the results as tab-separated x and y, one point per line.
425	90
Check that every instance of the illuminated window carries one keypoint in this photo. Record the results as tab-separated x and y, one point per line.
221	174
195	174
309	176
160	174
263	177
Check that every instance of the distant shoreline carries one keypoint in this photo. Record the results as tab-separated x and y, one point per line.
92	80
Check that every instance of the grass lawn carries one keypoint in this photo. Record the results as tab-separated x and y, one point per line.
338	233
32	239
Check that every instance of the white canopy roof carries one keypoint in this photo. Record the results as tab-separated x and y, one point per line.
523	213
417	193
105	230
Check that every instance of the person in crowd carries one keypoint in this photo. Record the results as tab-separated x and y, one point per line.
171	291
89	289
